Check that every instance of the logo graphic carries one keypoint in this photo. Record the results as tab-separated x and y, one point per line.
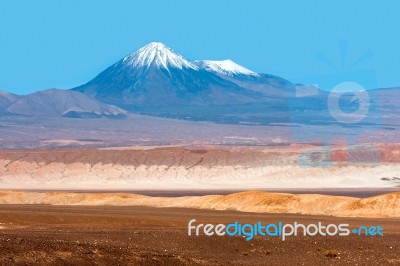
341	109
279	229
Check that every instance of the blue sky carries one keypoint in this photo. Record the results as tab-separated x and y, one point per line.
65	43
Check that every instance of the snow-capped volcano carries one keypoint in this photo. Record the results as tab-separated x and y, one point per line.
158	54
225	67
156	76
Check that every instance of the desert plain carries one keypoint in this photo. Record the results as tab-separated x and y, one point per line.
131	205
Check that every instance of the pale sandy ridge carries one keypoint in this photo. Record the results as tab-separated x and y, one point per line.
387	205
191	168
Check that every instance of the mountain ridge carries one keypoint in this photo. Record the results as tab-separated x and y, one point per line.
7	99
65	103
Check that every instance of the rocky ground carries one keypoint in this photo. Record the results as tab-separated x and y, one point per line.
79	235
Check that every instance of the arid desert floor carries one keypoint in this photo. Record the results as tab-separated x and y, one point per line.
110	235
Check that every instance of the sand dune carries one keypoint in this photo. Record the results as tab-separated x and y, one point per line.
387	205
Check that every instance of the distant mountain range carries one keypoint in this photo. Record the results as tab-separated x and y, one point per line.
155	80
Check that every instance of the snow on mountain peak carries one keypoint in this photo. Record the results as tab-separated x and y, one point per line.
225	67
160	55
